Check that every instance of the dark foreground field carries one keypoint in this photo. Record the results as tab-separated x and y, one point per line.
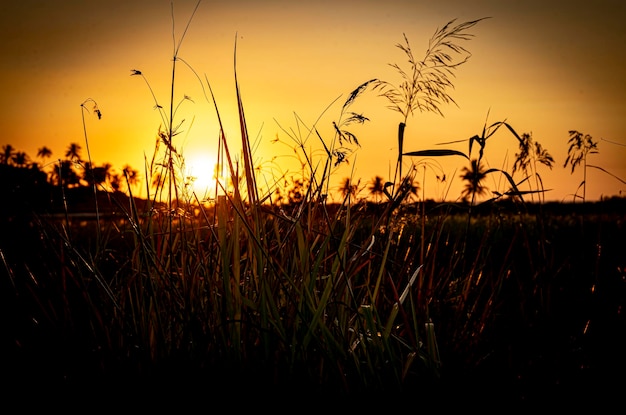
555	334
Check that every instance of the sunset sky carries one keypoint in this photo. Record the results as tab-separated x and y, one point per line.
545	67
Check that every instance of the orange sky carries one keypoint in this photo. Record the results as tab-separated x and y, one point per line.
546	67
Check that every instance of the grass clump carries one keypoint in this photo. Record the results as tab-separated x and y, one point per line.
252	291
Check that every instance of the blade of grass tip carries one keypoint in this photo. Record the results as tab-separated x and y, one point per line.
397	309
391	319
510	180
396	306
408	364
493	128
610	174
245	142
513	132
8	269
431	343
180	41
410	284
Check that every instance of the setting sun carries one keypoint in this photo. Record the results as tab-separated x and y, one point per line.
200	169
305	59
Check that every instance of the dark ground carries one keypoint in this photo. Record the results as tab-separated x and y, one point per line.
573	356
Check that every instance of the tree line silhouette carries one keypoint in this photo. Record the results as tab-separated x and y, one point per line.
72	171
43	185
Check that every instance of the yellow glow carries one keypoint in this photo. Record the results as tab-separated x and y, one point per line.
200	169
528	67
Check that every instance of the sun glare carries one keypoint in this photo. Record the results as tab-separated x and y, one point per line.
200	169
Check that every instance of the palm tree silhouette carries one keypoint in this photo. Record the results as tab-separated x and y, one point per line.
64	175
347	188
474	176
7	154
97	175
44	153
377	188
115	182
20	159
73	151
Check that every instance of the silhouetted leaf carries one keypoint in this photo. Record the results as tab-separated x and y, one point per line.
471	141
513	132
450	142
435	153
515	190
521	192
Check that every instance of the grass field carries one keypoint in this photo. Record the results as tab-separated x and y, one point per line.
257	296
332	302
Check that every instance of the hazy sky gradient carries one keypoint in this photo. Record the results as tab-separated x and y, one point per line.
546	67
